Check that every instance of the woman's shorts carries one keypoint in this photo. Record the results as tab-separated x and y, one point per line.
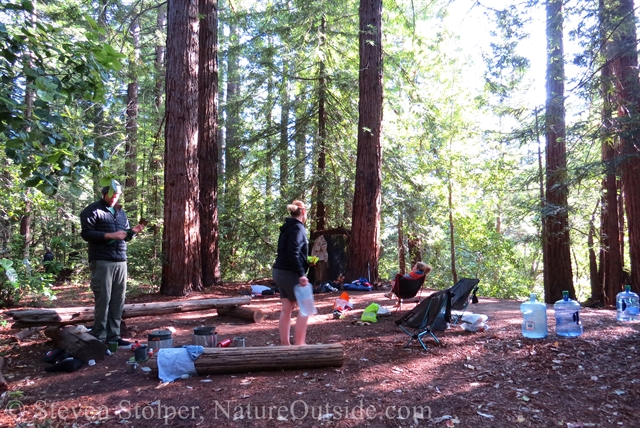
286	280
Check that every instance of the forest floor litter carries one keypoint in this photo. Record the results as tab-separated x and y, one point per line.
494	378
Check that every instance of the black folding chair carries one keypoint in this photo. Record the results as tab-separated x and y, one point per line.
422	319
461	294
405	288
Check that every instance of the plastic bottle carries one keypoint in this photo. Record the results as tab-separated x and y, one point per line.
304	297
627	305
534	322
567	313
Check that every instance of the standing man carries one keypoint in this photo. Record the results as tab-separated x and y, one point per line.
48	257
106	228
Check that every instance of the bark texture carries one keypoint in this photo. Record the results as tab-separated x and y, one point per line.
182	268
365	239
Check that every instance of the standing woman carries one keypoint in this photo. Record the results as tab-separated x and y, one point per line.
290	269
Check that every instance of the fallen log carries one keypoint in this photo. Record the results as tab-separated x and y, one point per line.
248	314
78	345
3	383
26	318
265	358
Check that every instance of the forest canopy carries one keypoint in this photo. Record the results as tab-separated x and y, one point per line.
480	175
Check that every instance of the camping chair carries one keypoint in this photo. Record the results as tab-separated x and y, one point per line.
461	294
405	288
421	320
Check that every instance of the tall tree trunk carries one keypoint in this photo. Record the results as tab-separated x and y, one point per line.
402	257
364	247
131	146
29	99
232	146
285	106
207	141
269	180
232	149
155	157
557	244
321	209
182	268
609	278
627	90
543	219
452	235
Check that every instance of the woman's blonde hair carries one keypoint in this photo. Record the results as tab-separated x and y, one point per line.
296	208
425	268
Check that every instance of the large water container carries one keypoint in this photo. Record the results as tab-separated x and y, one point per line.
304	297
627	305
567	313
534	318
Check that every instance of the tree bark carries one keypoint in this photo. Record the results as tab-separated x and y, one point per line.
131	146
208	143
365	239
321	209
266	358
609	279
558	271
627	94
182	268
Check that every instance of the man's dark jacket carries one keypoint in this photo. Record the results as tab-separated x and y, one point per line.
96	220
293	247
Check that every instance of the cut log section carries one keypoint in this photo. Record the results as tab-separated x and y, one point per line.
79	345
248	314
3	383
266	358
65	316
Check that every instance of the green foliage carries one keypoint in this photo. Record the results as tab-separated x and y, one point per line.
9	284
62	76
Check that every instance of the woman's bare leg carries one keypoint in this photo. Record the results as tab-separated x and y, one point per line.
285	322
300	333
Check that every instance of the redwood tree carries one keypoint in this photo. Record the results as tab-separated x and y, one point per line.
364	246
182	268
609	278
627	95
207	141
558	273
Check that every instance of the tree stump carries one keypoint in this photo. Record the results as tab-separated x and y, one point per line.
3	383
265	358
79	345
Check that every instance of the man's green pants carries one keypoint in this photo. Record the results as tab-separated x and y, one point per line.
109	285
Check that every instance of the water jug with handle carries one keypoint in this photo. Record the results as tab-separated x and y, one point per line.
534	318
567	314
304	297
627	305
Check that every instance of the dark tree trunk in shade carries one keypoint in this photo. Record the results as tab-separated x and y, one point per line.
321	209
131	146
558	271
365	240
627	97
609	278
182	268
207	142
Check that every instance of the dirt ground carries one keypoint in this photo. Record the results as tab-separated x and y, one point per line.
494	378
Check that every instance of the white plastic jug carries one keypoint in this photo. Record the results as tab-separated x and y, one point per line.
534	318
304	297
